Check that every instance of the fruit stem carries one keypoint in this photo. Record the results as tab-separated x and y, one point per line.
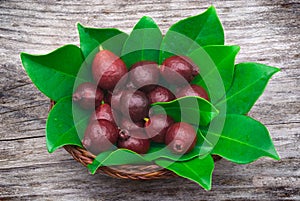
146	119
100	48
123	134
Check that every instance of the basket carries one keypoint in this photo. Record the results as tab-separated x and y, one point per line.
134	172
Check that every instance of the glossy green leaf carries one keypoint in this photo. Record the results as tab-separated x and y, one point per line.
116	157
216	64
243	140
91	38
143	43
250	80
189	34
197	170
61	129
54	74
97	161
193	110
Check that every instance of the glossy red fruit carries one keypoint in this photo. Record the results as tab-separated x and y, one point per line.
156	127
115	100
134	105
144	75
195	68
181	138
108	69
160	94
129	85
103	111
88	96
193	90
177	70
100	136
129	141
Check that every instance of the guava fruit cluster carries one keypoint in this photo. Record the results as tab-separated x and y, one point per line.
120	101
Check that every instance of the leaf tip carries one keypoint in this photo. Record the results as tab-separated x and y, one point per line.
277	69
145	17
141	24
80	29
207	188
276	156
24	55
211	9
50	149
91	169
79	26
237	48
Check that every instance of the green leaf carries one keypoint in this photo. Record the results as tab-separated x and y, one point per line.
193	110
197	170
54	74
158	151
116	157
250	80
191	33
91	38
97	161
143	42
61	129
216	64
243	140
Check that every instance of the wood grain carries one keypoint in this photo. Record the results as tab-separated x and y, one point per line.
267	31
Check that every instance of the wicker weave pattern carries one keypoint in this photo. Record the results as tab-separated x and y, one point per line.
136	172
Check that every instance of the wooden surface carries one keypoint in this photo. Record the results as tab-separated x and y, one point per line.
267	31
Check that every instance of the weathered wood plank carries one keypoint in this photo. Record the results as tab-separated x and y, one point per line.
267	31
229	182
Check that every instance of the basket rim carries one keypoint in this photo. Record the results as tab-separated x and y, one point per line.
129	171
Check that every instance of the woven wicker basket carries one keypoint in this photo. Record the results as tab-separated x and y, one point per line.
135	172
